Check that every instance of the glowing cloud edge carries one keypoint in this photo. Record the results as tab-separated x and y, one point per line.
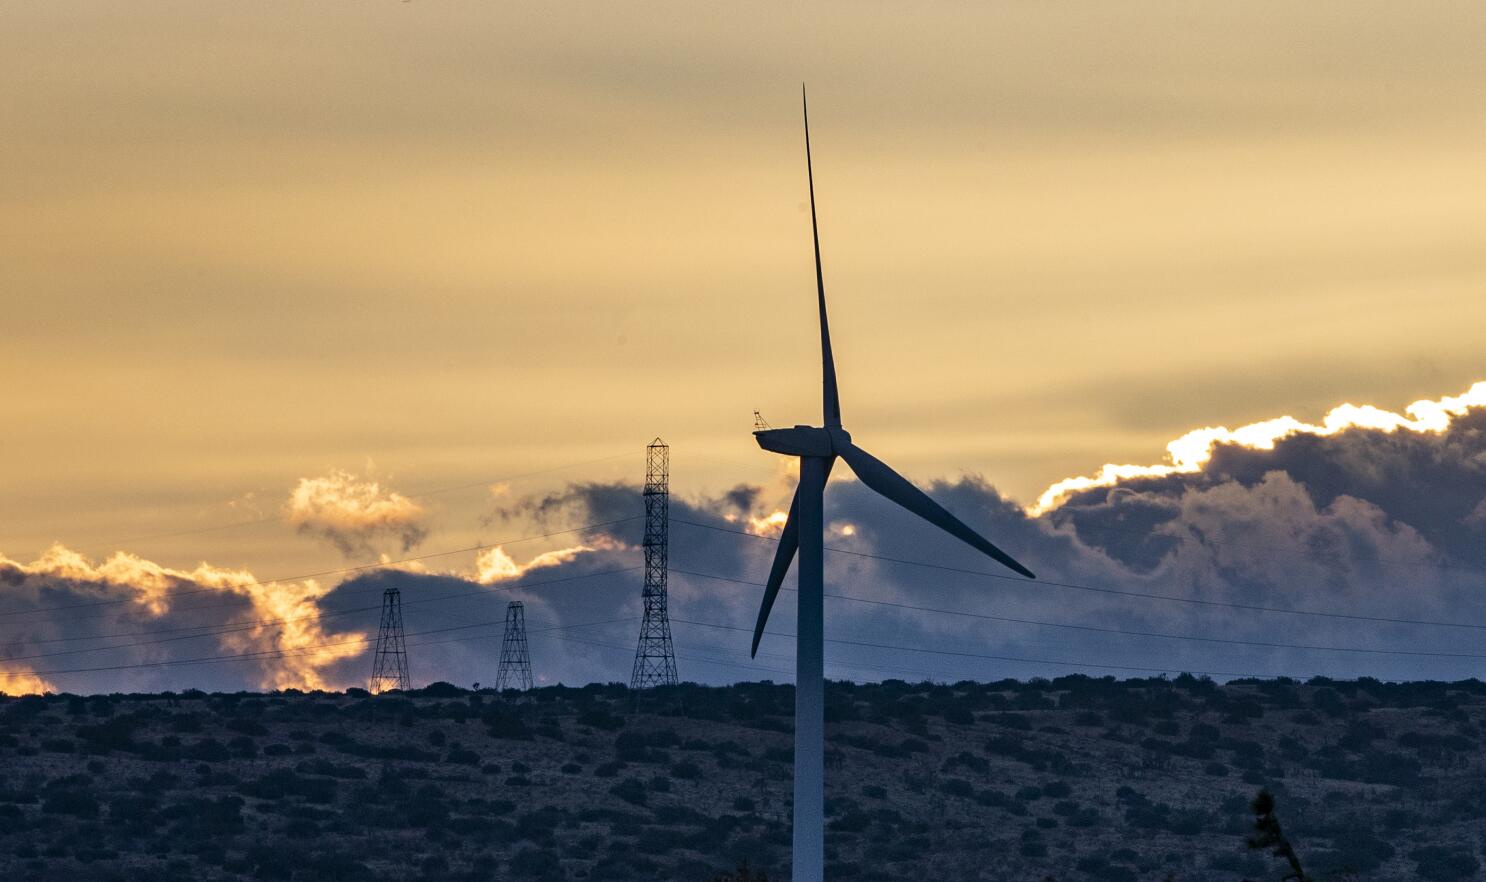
1189	453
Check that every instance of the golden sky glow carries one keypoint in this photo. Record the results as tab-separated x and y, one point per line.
245	245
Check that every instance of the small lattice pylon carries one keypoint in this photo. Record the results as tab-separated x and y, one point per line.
655	657
515	658
390	662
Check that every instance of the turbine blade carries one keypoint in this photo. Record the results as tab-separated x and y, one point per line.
784	555
828	361
789	545
877	475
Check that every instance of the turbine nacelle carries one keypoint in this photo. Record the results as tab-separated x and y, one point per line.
804	441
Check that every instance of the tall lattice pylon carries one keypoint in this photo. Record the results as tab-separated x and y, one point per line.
390	664
655	658
515	659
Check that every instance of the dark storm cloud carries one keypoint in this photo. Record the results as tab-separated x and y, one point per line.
129	624
1360	523
1431	482
605	503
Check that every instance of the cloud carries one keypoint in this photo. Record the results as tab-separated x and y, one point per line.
495	565
66	613
355	514
1364	513
1191	452
1376	519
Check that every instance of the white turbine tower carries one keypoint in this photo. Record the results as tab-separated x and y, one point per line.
817	448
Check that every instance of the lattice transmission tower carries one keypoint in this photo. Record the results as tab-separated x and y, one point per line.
655	658
515	659
390	663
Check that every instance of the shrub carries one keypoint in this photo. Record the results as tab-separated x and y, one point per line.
853	821
744	873
114	734
631	790
608	770
1439	864
1012	721
600	718
246	726
77	803
208	750
534	863
967	760
500	724
686	771
1203	732
280	783
959	715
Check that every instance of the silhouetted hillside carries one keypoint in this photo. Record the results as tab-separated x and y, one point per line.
1074	778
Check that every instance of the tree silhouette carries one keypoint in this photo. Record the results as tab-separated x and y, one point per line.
1268	835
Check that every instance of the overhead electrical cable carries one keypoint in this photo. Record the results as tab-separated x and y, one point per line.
380	565
279	624
1122	631
291	652
1074	586
1004	658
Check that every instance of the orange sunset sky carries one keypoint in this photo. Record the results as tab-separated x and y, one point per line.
442	244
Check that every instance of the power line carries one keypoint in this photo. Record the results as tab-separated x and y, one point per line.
692	658
1120	631
485	592
228	627
269	655
354	569
292	652
990	657
284	653
1074	586
959	675
488	591
1270	549
744	663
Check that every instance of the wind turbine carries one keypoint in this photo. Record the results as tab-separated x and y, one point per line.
818	448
